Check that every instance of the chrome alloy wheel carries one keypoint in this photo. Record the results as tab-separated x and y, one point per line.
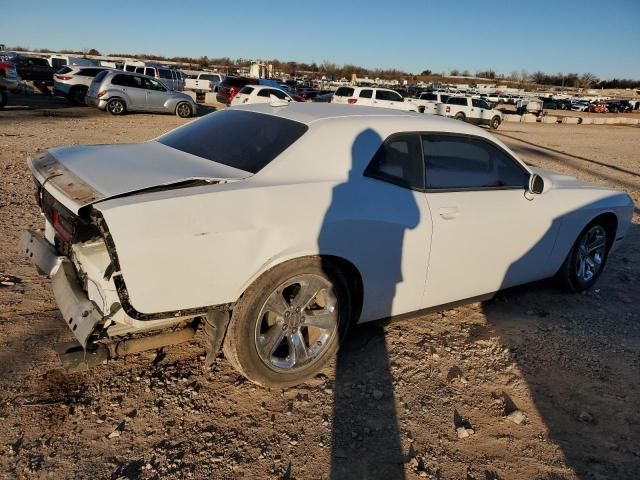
184	110
591	252
297	323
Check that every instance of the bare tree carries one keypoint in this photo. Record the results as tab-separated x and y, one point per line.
588	79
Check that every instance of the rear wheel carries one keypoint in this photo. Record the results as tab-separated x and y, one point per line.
183	110
586	259
460	116
495	122
77	95
116	107
287	325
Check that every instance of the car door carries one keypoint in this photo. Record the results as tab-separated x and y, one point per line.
488	232
477	110
385	98
131	89
390	211
157	94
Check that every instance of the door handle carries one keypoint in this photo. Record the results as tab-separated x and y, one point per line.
449	213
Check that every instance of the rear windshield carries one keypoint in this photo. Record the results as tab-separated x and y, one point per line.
100	76
244	140
63	70
344	92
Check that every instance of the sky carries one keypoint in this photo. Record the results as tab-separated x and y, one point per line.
601	37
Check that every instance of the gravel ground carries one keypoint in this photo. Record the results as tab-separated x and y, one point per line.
535	384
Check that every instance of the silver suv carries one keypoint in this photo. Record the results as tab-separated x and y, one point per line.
118	92
73	81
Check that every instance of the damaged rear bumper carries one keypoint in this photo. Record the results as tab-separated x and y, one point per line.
79	313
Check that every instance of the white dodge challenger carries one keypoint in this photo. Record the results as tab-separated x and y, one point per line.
276	227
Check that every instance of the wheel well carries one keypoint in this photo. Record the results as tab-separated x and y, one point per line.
354	281
610	223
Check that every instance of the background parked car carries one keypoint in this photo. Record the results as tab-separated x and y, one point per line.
72	82
596	107
262	94
8	81
59	61
35	69
119	92
204	82
372	97
473	110
230	87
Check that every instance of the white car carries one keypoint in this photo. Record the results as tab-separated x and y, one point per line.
372	97
470	109
73	82
277	227
428	102
204	82
260	94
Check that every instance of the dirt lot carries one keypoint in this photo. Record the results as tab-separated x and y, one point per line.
570	364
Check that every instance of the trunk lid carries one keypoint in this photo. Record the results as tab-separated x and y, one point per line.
82	175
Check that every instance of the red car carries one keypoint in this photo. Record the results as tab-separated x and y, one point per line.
230	86
597	107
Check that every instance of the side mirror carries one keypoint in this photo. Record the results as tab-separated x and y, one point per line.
536	184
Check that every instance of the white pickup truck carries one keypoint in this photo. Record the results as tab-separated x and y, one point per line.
204	82
472	110
428	102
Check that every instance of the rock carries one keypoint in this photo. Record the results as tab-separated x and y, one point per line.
114	434
464	432
377	394
586	417
516	417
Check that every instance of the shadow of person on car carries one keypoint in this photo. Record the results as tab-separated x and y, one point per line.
566	349
365	441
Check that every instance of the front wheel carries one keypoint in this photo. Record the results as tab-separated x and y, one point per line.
495	123
116	107
586	259
288	324
183	110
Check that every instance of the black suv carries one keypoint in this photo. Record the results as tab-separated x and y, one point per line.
36	69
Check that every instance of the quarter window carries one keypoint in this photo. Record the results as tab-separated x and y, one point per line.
456	162
398	161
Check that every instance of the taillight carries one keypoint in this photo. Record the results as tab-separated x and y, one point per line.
351	101
233	91
62	77
101	93
448	109
61	225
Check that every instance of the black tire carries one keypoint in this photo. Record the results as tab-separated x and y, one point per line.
495	123
569	275
240	346
184	110
115	106
77	95
460	116
3	99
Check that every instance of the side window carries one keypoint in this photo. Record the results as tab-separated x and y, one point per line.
399	161
165	73
265	92
395	96
150	84
476	102
58	62
130	68
456	162
139	70
150	71
278	94
366	93
382	95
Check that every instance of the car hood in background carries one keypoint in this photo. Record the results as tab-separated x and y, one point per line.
559	180
82	175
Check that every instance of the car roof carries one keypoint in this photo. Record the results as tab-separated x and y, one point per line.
310	113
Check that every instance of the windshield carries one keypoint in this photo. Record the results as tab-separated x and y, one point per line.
244	140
